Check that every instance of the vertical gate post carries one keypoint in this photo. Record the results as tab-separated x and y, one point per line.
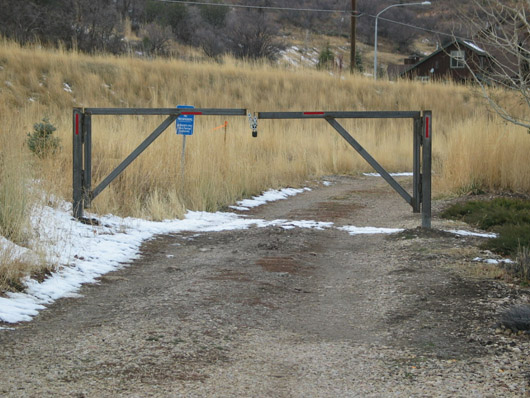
426	170
78	127
87	160
416	165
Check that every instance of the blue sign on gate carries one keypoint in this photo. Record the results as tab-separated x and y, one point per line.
185	123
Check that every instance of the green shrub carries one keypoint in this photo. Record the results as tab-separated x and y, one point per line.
489	214
509	218
359	61
325	58
510	238
42	142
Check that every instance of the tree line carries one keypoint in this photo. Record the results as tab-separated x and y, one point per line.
103	25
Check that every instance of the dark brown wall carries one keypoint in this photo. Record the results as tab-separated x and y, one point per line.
441	64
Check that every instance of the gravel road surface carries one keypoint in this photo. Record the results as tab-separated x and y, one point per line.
274	312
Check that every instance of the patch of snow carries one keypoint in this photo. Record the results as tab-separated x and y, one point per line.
493	261
327	183
405	174
474	46
352	230
320	225
8	83
14	249
292	61
240	208
268	196
469	233
14	252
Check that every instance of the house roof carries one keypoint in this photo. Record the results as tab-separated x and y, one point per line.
465	43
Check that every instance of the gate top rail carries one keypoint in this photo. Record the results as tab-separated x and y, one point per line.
341	115
166	111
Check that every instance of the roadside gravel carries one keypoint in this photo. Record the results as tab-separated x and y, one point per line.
274	312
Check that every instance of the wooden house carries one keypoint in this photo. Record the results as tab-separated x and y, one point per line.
457	60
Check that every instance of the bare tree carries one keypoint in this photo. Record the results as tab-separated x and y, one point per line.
156	39
253	35
47	21
502	29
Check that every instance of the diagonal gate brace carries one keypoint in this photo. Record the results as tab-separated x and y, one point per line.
422	150
134	154
82	146
366	156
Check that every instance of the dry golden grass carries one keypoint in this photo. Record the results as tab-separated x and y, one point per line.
471	146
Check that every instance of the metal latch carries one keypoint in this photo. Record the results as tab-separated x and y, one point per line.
253	120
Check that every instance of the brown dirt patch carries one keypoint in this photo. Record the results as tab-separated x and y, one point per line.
327	211
279	264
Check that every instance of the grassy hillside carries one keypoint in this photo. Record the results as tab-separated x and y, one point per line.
472	147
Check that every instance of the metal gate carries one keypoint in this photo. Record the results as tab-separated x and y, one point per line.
422	150
83	194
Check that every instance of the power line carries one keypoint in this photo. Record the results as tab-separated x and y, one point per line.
417	27
254	7
357	15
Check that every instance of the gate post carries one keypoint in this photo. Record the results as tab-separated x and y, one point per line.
426	170
87	160
416	165
78	127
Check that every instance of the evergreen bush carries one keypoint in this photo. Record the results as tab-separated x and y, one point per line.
42	142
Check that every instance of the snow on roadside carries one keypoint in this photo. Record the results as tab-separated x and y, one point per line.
369	230
268	196
83	252
469	233
405	174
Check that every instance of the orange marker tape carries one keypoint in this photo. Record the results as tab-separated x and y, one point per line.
221	126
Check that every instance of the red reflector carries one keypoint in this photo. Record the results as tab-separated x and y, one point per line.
313	113
77	124
191	113
427	127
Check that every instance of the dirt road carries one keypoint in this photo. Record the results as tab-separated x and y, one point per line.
275	312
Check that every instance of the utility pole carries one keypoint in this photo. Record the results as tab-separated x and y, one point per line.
352	34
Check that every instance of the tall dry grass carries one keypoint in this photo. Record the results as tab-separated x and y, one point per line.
16	198
471	145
